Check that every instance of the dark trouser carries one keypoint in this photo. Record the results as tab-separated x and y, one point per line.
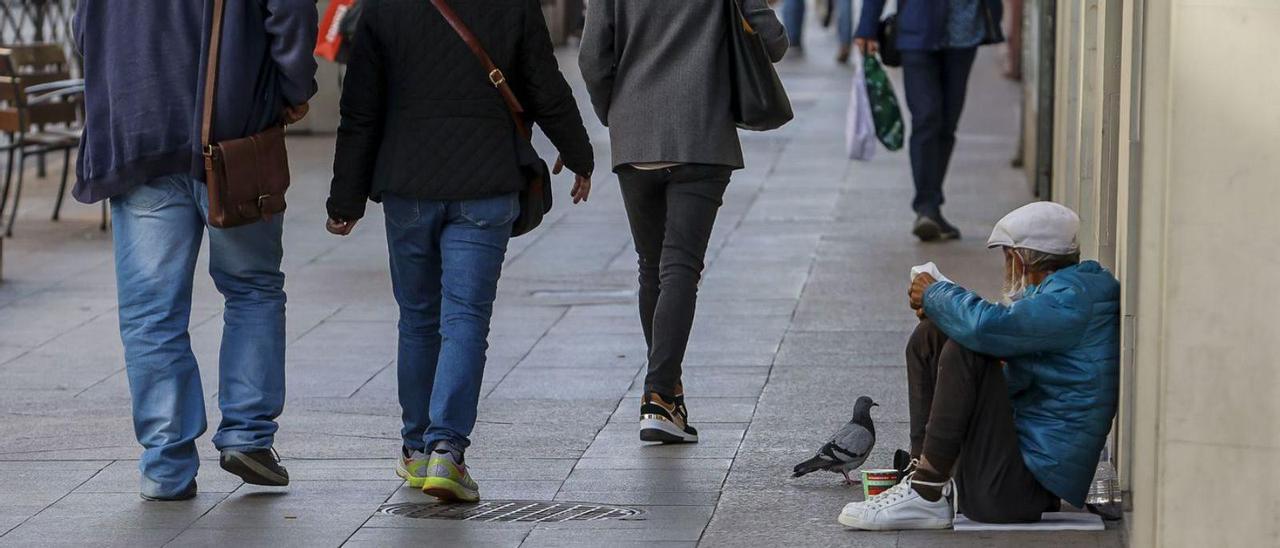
935	83
671	212
960	412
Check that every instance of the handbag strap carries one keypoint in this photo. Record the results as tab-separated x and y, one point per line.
211	76
495	75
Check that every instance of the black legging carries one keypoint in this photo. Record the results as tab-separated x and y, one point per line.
672	211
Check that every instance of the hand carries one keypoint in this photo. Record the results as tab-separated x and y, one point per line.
581	184
919	285
866	45
581	188
293	115
340	228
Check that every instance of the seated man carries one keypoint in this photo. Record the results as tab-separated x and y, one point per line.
1012	400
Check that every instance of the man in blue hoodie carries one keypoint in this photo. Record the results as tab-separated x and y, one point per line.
938	40
1013	400
143	69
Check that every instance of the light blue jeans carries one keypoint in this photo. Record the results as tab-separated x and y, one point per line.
446	257
157	231
844	21
793	20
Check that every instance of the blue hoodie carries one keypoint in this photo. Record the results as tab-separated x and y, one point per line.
922	24
144	76
1061	344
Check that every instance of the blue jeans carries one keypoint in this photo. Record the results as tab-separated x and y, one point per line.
844	21
157	231
936	82
446	257
793	20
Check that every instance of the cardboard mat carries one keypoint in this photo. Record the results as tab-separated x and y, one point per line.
1049	521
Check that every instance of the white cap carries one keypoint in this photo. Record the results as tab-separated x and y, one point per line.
1040	226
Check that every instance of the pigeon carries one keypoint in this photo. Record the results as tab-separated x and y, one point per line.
848	448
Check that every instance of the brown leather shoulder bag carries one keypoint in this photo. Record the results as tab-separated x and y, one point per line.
246	177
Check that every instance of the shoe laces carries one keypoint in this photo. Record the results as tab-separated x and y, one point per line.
890	495
276	454
903	489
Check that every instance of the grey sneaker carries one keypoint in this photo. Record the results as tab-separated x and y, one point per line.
257	466
412	467
447	478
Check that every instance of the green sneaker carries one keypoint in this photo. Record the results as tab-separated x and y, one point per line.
411	466
446	476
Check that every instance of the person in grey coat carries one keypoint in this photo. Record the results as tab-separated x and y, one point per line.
658	75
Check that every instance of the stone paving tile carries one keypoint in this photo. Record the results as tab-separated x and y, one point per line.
122	477
371	536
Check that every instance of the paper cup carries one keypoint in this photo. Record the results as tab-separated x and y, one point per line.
876	481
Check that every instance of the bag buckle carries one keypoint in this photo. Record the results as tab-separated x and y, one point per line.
208	150
496	77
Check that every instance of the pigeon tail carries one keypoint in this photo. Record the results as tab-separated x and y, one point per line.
812	465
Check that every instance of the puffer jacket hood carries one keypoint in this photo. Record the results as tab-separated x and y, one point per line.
1061	346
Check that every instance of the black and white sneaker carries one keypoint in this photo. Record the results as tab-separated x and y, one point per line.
665	419
257	467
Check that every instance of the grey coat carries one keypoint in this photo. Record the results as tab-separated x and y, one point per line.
658	75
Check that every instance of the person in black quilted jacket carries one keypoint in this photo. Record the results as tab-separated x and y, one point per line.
427	134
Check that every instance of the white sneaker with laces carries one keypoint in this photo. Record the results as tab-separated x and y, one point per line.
900	507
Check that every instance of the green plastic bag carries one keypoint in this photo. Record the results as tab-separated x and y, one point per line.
884	104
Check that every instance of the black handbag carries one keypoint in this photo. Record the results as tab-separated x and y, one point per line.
758	100
887	36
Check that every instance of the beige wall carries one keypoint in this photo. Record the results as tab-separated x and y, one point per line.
1172	122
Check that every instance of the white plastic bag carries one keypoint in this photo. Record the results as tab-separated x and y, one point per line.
859	129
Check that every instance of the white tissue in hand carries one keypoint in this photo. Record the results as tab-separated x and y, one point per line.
930	269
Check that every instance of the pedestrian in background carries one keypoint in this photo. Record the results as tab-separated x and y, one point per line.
938	41
144	74
793	21
658	75
425	132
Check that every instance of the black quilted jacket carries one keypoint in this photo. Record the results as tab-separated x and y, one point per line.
420	118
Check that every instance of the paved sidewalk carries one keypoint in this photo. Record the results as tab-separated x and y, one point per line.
802	310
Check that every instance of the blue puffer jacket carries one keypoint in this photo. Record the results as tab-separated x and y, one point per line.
922	24
1061	343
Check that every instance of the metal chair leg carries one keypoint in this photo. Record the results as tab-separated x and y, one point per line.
8	178
17	194
62	189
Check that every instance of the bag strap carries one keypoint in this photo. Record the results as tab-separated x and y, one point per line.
211	75
496	77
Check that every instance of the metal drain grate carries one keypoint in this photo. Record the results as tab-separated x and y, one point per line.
509	510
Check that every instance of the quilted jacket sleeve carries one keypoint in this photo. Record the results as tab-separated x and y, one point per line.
546	96
360	130
1050	320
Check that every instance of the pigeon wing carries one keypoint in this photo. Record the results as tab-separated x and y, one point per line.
851	444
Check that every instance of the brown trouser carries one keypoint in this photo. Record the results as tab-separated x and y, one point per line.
960	412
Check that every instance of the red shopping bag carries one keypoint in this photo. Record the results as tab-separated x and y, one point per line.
329	41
